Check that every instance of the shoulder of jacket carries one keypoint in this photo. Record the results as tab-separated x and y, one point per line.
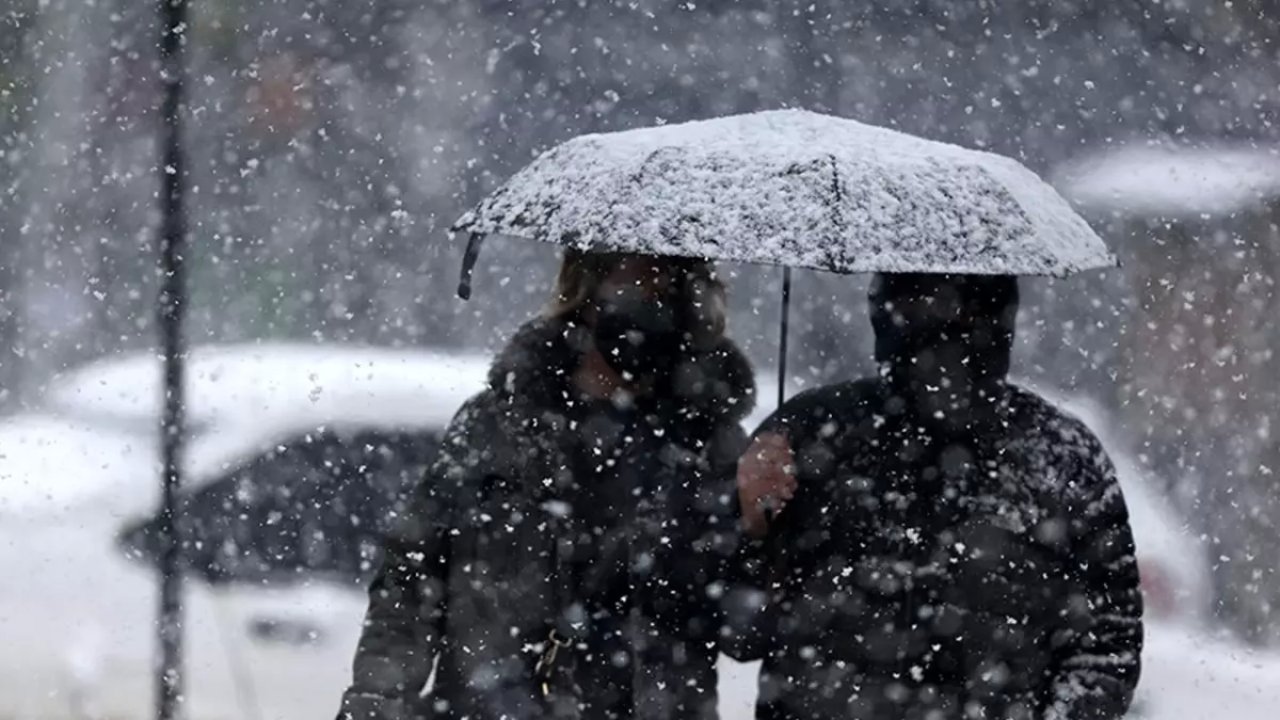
474	440
1069	454
1063	430
496	434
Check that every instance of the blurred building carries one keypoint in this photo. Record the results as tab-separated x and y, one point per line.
1198	231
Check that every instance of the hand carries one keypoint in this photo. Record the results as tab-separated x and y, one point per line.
766	480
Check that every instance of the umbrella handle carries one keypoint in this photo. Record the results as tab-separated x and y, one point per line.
782	337
468	264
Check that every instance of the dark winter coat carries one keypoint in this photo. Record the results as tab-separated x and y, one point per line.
505	542
922	574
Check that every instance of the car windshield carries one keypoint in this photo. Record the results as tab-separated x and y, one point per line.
315	505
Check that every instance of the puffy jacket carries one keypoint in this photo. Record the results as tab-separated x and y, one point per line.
974	566
478	573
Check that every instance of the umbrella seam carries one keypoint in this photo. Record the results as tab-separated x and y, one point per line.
839	198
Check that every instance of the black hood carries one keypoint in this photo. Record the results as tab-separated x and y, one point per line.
935	331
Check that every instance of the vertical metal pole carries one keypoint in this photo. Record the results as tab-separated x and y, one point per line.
782	339
171	306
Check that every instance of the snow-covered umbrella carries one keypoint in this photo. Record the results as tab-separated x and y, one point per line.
791	188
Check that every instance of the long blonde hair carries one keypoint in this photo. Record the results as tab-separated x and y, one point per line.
582	273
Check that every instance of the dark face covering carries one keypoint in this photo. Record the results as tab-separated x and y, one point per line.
642	338
944	344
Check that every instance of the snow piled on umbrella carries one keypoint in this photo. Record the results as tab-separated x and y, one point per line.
794	188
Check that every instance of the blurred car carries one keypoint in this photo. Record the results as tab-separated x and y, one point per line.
274	383
291	444
326	442
314	506
299	457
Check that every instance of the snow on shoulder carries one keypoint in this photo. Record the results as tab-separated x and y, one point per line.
1174	182
795	188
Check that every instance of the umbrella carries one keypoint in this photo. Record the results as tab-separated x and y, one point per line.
790	188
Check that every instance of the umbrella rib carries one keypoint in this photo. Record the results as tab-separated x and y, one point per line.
838	193
835	180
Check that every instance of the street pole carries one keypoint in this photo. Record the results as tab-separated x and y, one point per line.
171	306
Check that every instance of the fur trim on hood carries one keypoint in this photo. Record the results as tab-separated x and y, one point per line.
537	365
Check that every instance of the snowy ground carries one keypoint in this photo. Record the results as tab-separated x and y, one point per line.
1190	677
1186	677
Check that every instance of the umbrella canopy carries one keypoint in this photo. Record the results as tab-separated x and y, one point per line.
798	189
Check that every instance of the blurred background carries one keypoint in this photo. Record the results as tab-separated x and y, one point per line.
332	142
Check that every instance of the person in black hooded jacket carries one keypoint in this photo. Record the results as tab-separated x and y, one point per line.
951	546
561	557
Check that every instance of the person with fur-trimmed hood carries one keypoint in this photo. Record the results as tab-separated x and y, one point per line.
563	558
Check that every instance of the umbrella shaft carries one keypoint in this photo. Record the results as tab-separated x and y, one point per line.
782	337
